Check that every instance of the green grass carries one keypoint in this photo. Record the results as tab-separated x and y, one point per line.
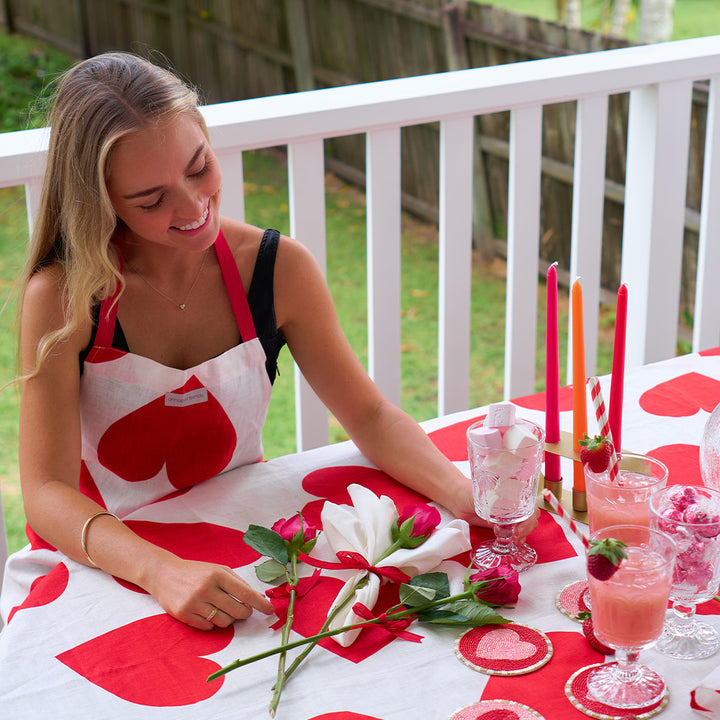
691	18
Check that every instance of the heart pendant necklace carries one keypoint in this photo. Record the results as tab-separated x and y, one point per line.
183	304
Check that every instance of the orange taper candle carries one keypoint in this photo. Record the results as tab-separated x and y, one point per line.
579	394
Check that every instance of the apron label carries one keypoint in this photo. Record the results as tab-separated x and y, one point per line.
193	397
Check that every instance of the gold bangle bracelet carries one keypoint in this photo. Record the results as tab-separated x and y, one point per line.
83	535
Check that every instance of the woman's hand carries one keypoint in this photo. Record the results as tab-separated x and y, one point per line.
204	595
464	508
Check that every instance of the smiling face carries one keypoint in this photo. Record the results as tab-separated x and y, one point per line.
164	183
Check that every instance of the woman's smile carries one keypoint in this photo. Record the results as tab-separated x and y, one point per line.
197	224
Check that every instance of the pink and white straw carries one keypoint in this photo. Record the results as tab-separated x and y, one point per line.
603	422
558	508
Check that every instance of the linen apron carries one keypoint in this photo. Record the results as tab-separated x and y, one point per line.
149	430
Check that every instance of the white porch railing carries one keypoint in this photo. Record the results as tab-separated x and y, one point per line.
659	79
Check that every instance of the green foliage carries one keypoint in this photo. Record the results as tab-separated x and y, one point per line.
691	18
27	70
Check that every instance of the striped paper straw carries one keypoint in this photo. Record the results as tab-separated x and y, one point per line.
603	422
558	508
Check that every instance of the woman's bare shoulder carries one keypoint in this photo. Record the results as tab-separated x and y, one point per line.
44	291
43	305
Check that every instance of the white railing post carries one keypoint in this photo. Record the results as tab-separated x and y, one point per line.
455	264
587	219
523	240
706	325
232	201
653	226
383	260
306	183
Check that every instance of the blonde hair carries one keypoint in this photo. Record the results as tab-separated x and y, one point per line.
98	101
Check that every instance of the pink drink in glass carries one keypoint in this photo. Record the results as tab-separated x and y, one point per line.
624	500
628	612
629	608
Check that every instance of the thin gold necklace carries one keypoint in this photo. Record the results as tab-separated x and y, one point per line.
183	304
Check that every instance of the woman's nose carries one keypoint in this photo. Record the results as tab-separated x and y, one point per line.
191	206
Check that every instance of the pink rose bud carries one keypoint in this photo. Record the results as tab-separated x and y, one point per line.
427	518
290	527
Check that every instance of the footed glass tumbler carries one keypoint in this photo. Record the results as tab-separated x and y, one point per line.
505	464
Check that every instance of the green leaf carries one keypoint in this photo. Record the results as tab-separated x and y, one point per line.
413	596
477	613
413	542
267	542
308	546
270	571
438	616
438	581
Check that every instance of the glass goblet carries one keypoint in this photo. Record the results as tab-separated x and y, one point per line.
710	451
505	464
628	611
624	500
691	517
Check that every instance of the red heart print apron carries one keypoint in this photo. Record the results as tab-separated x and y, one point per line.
149	430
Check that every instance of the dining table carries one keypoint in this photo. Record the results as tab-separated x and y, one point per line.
78	643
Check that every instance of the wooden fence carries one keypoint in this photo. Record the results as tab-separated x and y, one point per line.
236	49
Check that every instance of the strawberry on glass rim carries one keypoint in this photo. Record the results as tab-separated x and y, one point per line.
595	452
604	557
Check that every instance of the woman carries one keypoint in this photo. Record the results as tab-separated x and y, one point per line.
134	299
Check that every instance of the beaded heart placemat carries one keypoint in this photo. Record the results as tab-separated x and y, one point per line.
509	649
577	692
496	710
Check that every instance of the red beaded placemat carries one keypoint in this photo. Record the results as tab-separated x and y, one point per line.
570	599
577	692
496	710
508	649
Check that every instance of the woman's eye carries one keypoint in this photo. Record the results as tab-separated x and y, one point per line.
202	170
156	204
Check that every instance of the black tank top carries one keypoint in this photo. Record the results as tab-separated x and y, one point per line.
260	299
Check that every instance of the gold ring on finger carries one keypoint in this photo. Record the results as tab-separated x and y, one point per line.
212	614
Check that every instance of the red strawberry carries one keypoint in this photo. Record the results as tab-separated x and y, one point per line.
589	633
595	453
604	557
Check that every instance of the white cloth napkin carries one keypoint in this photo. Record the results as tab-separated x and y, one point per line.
365	528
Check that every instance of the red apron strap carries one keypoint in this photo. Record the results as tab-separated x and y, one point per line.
108	311
106	321
236	291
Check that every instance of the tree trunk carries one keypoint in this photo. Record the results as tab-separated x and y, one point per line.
618	19
656	20
572	13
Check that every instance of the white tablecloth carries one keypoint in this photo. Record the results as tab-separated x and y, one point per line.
80	644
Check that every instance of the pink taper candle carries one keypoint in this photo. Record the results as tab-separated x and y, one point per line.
552	378
579	396
617	381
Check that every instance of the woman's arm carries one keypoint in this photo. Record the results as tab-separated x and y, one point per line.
386	435
49	454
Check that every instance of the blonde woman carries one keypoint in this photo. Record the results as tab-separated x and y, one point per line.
139	294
